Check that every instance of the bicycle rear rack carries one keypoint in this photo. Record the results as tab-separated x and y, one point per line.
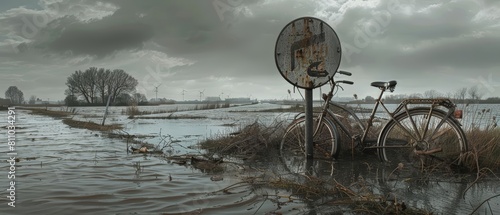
435	102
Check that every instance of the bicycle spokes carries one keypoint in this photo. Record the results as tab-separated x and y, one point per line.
422	136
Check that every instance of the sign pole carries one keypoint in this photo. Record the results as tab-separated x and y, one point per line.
307	54
309	123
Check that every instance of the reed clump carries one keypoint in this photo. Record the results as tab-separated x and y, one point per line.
248	142
484	149
483	137
132	110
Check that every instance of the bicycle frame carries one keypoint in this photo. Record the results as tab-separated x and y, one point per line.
403	106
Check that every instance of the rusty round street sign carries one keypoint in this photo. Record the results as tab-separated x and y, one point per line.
307	52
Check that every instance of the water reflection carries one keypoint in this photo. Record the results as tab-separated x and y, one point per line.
441	193
65	170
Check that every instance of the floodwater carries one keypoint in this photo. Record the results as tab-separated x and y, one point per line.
65	170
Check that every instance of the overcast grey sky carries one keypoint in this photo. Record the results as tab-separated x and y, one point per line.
227	46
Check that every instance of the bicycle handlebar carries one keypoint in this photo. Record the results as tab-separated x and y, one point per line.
345	82
344	73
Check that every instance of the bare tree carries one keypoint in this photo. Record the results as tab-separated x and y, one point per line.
120	82
100	83
76	85
474	93
15	95
431	94
32	100
415	96
139	97
103	79
460	94
90	78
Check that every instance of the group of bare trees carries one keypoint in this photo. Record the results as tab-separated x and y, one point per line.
15	95
96	85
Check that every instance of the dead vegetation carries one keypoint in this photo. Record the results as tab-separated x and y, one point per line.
90	125
254	140
257	141
483	136
171	116
51	113
133	110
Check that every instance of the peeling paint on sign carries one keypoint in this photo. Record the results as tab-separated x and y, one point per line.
307	52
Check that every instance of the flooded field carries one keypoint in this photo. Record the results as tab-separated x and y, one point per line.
64	170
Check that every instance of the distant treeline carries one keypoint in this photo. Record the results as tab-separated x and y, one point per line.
490	100
461	96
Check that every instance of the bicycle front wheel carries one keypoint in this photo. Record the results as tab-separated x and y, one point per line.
292	147
348	122
422	137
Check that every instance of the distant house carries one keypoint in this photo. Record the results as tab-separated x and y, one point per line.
238	100
213	99
4	102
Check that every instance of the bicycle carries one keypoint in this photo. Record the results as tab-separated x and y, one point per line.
420	136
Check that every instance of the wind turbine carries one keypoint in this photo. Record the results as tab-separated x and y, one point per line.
201	94
183	91
156	91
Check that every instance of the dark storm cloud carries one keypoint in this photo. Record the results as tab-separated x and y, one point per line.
448	34
100	41
188	26
208	43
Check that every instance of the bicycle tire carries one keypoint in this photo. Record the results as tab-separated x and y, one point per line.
292	147
436	140
348	122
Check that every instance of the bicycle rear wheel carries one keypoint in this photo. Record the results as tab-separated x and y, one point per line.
423	139
292	147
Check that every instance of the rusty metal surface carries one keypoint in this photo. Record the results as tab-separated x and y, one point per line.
307	52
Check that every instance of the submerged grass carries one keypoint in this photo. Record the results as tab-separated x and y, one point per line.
257	141
51	113
133	110
484	149
171	116
254	140
483	136
90	125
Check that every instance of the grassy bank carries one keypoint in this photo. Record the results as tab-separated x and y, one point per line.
90	125
133	110
71	122
51	113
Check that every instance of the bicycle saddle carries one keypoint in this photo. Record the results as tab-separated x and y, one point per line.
385	85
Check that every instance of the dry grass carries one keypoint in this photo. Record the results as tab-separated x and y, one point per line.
49	112
257	141
171	116
484	149
132	110
90	125
249	142
483	138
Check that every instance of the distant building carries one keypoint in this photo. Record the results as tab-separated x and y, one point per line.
213	99
238	100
